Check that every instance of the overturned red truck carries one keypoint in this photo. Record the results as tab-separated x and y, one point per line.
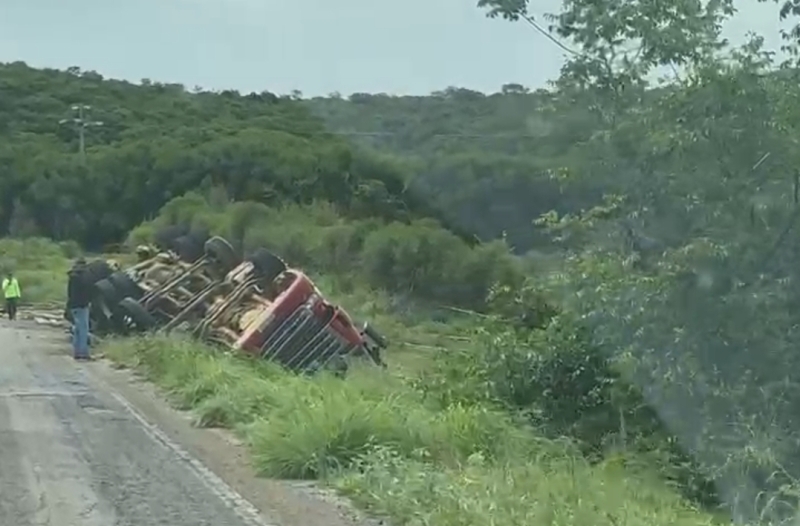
256	305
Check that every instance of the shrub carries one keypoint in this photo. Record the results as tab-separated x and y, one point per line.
555	380
419	257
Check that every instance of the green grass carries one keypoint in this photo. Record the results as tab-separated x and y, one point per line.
410	328
41	267
372	437
544	489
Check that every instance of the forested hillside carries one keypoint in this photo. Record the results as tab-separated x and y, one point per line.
487	161
159	141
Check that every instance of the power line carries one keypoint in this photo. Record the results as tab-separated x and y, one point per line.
530	20
81	124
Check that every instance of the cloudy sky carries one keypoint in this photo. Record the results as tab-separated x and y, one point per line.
315	46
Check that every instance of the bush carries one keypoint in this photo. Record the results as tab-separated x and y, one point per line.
419	257
558	382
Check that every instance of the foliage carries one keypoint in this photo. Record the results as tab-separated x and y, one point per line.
419	259
483	160
301	427
372	436
159	141
548	489
701	316
41	267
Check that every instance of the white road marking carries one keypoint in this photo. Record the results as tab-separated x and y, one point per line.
241	506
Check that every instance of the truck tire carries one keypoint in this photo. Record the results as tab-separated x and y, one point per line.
102	309
165	237
135	316
199	234
376	336
125	285
106	292
222	253
267	265
97	270
188	248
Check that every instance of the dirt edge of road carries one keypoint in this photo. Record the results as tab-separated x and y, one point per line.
280	502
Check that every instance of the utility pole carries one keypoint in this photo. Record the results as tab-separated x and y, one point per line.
81	123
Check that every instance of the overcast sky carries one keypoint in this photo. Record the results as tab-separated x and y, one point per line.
315	46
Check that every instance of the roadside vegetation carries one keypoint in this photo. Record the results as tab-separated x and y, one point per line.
381	439
41	267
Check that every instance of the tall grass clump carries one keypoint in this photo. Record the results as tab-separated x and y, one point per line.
302	427
551	488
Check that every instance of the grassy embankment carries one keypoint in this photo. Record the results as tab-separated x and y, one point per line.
375	436
41	267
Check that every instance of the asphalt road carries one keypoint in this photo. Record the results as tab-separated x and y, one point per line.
74	453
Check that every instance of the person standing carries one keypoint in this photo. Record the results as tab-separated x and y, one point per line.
12	294
78	301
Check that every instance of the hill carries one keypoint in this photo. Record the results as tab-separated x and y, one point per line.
482	165
487	161
159	141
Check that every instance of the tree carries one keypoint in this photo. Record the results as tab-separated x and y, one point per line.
158	142
686	317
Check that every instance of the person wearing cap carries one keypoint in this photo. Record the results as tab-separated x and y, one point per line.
12	294
78	301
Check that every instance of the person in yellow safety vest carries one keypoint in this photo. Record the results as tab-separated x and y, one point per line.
12	294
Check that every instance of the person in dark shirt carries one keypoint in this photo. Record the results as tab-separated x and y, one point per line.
78	301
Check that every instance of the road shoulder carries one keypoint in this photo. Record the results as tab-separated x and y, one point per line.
285	503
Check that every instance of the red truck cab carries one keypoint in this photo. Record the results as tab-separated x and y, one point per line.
300	329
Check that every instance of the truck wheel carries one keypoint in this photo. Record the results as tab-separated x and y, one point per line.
267	265
199	234
188	248
135	316
377	337
125	285
222	253
167	235
106	292
97	270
